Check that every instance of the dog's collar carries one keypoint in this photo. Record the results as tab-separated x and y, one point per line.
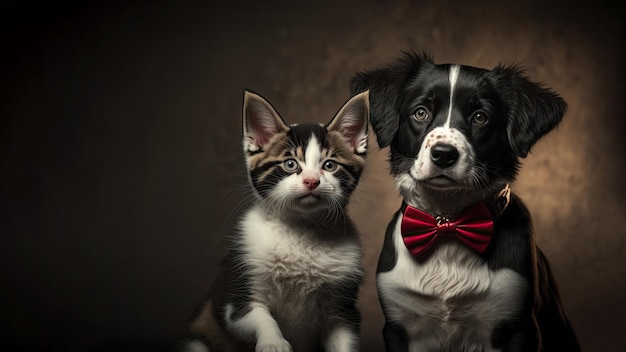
500	202
496	205
473	226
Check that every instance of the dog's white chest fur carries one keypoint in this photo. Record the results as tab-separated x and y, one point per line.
285	262
452	301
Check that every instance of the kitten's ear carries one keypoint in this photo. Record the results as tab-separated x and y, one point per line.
352	121
533	110
386	85
260	122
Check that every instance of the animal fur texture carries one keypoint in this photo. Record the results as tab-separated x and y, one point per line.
456	135
293	270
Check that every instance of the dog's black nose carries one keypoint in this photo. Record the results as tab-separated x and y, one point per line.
443	155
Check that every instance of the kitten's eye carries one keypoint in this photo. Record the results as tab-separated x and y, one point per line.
479	118
290	165
421	114
330	165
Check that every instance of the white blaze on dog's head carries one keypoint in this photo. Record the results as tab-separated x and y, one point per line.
455	132
445	142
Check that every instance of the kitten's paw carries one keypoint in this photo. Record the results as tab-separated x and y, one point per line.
276	344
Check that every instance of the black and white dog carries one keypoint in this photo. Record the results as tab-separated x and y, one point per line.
459	268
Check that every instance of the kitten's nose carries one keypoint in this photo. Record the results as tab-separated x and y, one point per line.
311	183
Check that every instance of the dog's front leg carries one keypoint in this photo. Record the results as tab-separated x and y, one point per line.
395	337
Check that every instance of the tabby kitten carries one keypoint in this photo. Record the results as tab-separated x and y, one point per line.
293	270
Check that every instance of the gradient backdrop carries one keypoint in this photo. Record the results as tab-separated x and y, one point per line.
120	149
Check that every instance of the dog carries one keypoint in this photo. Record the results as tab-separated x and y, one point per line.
460	269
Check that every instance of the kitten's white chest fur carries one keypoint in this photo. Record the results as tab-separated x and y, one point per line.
294	261
291	272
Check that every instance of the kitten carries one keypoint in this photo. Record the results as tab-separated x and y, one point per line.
293	270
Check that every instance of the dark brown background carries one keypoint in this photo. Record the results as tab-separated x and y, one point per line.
121	154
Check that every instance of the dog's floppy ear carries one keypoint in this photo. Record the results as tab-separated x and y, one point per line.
386	92
533	110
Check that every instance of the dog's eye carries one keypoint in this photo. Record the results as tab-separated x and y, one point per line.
330	165
479	118
290	165
421	114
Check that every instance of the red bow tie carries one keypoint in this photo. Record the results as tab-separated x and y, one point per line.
473	227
